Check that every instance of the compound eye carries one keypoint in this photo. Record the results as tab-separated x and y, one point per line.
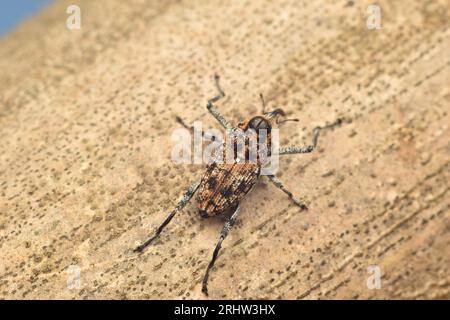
258	123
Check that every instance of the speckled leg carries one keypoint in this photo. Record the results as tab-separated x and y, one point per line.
223	234
184	200
312	146
212	109
280	186
185	125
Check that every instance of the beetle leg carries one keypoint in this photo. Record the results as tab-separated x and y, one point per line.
312	146
280	186
186	126
223	234
213	110
184	200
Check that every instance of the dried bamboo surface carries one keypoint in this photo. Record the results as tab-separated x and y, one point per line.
86	118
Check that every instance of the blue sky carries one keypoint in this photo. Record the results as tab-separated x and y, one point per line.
13	12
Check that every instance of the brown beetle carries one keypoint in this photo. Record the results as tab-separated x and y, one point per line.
224	184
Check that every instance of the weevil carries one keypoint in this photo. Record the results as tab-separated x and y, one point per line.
224	185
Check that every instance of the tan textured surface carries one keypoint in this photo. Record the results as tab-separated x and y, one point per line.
85	124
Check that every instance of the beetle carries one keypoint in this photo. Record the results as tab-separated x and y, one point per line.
224	185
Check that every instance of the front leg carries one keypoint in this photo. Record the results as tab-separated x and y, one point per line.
312	146
213	110
186	126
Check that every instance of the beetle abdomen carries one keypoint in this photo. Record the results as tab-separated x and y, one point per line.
224	185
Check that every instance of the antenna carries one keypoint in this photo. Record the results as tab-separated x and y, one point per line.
263	103
285	120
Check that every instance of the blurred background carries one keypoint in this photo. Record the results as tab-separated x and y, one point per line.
14	12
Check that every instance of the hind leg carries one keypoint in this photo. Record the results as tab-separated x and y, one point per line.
184	200
223	234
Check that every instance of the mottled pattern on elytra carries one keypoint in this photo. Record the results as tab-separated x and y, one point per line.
224	185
